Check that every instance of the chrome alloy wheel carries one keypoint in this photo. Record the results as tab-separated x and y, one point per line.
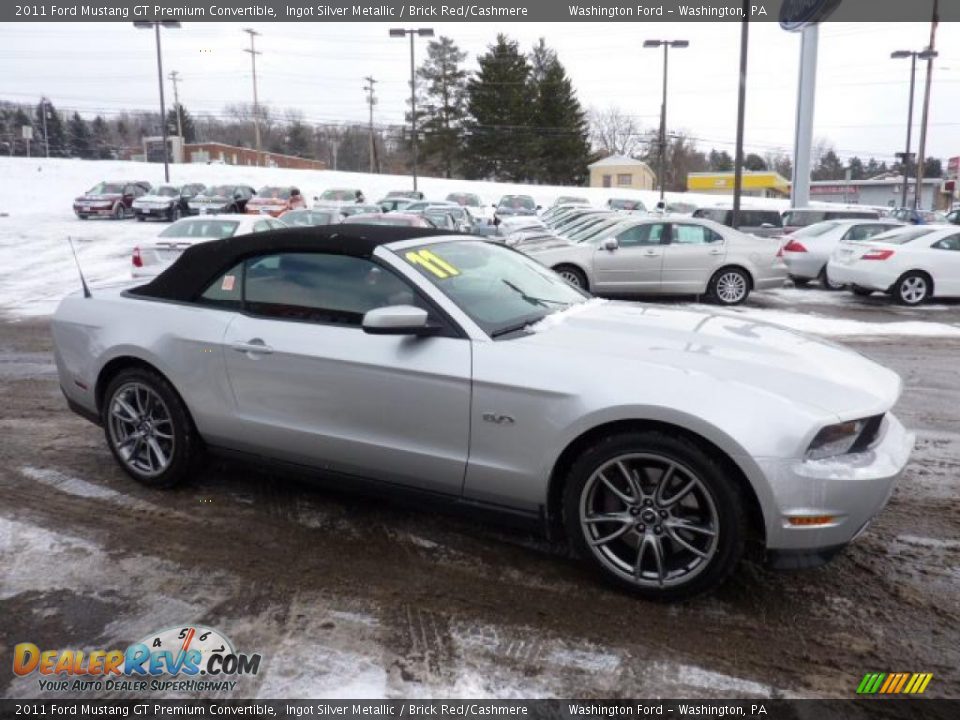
649	520
141	429
571	277
731	287
913	289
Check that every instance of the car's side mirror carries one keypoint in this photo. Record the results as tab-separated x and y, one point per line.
397	320
539	207
610	244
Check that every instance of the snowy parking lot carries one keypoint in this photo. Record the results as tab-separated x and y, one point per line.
347	595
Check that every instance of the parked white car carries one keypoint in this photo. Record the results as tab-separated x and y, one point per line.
682	256
913	264
150	260
808	250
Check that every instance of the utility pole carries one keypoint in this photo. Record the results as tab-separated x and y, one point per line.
932	53
175	78
371	101
43	113
741	112
256	104
413	32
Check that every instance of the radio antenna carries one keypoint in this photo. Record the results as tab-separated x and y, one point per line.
83	281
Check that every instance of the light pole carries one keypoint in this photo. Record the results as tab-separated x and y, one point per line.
256	104
412	32
906	155
666	45
163	110
44	109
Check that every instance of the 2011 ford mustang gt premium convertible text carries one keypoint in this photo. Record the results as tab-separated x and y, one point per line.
661	441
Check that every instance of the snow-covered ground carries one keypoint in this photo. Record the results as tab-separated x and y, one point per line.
36	220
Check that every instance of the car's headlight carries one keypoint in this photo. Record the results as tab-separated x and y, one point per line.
836	439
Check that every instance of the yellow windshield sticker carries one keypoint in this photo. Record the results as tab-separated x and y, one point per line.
432	262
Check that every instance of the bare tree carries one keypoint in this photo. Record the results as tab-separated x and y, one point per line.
614	132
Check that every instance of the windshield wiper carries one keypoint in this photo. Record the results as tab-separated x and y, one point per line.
542	302
517	327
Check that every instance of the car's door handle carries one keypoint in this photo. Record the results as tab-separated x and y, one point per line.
716	252
652	253
255	346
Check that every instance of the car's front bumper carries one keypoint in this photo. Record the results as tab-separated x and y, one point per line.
849	489
91	210
873	278
164	211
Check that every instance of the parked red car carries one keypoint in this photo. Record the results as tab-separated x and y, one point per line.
275	201
109	199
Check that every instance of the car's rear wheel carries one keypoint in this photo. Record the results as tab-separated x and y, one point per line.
148	428
729	286
655	513
913	288
572	275
826	283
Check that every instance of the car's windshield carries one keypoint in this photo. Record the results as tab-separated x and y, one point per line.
220	191
467	199
594	230
274	193
518	202
166	191
816	229
901	236
211	229
106	189
339	195
503	291
619	204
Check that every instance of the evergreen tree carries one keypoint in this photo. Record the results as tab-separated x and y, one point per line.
187	125
56	135
754	163
830	167
932	168
720	161
562	148
81	145
100	139
500	140
298	139
857	171
443	82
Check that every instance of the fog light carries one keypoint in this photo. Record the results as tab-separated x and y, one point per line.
811	520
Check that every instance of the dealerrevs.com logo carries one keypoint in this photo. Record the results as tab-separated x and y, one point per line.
184	659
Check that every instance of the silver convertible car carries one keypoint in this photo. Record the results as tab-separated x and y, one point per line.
661	442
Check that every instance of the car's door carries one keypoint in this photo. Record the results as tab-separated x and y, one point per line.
312	387
693	254
946	266
634	265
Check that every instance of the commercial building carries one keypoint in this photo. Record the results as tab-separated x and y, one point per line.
620	171
882	192
755	184
219	153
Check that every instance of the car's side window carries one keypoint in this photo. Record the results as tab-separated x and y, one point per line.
321	287
640	235
227	289
692	235
261	225
951	242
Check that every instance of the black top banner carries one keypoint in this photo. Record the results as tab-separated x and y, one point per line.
791	14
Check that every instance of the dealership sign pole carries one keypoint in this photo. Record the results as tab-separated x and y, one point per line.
803	16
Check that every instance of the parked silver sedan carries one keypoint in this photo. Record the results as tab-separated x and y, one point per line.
661	442
681	256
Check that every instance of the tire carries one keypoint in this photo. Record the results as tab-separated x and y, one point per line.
913	288
827	284
141	218
119	212
861	291
83	217
175	213
799	281
692	561
152	406
572	275
729	286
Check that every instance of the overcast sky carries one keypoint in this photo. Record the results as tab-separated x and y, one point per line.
319	68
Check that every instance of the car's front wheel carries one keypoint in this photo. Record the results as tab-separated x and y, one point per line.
655	513
572	275
119	211
729	286
913	288
148	428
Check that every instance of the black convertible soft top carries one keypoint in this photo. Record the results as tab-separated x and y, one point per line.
201	264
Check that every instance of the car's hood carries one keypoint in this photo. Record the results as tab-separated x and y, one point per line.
266	201
515	211
725	347
93	197
156	198
537	244
210	199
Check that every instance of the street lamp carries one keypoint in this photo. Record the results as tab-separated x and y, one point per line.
170	24
412	32
666	45
906	155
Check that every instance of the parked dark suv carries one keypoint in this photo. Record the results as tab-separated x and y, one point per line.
109	199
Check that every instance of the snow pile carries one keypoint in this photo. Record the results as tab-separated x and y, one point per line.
558	318
830	326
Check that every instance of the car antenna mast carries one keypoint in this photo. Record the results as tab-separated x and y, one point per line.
83	281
